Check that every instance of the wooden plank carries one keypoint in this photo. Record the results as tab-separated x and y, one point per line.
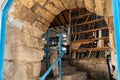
94	21
87	31
89	40
81	16
90	49
64	17
61	17
66	14
87	18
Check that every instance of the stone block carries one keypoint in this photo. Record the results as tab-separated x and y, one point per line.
19	11
36	69
89	5
28	54
59	5
44	13
20	72
45	22
65	4
41	2
80	3
32	30
10	43
9	69
27	3
52	8
99	9
71	4
53	57
108	6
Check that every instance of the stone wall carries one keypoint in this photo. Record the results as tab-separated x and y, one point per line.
97	69
23	51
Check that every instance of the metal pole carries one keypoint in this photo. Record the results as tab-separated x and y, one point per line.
51	67
47	49
3	35
60	53
116	13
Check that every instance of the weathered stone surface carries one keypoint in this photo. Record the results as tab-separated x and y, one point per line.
65	4
44	13
89	4
27	3
19	11
79	76
10	44
52	9
41	2
20	72
45	22
80	3
28	54
59	5
28	71
99	9
53	57
15	22
36	69
9	69
32	30
96	67
75	76
71	4
108	5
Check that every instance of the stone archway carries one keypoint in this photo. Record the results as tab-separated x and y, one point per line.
27	21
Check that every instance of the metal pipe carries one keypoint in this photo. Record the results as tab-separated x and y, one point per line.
3	35
51	67
60	52
116	13
47	49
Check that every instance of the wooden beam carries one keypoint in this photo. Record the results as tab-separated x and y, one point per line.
87	31
81	16
59	20
94	21
89	40
64	17
90	49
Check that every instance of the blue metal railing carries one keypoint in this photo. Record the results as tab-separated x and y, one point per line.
3	34
47	50
58	60
116	12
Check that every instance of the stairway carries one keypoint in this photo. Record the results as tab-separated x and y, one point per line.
70	73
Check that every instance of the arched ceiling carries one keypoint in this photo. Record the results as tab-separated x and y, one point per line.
40	13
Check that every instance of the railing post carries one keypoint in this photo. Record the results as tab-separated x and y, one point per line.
47	49
116	12
3	34
60	53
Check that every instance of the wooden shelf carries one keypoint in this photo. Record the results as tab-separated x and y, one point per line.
90	49
81	16
87	31
87	22
89	40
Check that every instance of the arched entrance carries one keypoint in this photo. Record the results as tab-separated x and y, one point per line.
40	16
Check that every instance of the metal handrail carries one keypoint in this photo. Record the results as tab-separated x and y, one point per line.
51	67
58	60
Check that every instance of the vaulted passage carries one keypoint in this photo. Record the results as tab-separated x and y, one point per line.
90	39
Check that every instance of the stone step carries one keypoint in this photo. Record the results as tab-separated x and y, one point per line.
73	76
